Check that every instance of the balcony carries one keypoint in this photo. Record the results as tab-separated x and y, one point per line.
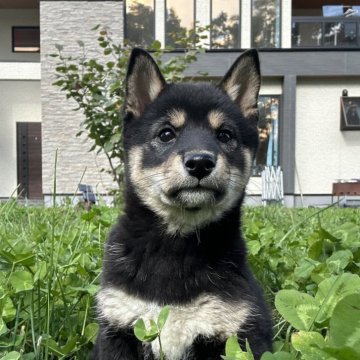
325	32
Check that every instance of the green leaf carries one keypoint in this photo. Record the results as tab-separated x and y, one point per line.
3	327
334	289
254	247
343	353
345	323
281	355
109	146
310	345
339	260
107	51
8	310
91	332
140	329
305	268
89	289
234	352
53	347
115	138
232	347
21	281
297	308
164	313
70	345
41	271
28	356
13	355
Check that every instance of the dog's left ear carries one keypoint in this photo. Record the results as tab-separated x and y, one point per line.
242	82
143	83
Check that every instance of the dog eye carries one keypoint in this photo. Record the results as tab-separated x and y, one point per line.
166	135
224	136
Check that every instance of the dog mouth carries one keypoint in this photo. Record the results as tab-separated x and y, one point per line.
195	198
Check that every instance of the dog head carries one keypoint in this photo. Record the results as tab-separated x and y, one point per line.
190	147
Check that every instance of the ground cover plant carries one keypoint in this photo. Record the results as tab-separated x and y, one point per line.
307	260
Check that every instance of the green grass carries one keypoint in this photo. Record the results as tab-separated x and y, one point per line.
50	262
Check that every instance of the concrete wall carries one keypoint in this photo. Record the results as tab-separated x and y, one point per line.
12	17
65	22
323	152
19	102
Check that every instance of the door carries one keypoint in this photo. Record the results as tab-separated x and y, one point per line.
29	163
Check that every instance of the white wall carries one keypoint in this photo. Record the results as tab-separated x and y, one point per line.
12	17
323	152
19	102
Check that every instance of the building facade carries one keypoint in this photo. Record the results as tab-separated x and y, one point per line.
310	54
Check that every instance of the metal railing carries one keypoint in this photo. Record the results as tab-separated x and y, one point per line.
325	32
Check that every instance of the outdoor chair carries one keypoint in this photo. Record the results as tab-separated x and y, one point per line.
88	195
272	185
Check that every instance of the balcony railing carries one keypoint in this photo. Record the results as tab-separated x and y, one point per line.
325	32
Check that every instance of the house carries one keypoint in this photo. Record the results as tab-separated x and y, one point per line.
310	57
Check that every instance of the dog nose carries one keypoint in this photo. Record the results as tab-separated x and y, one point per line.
199	165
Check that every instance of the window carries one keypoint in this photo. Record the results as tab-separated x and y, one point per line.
268	127
225	21
25	39
350	113
140	22
319	32
179	20
265	24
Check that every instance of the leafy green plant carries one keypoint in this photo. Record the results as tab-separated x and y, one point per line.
234	352
154	331
50	260
97	87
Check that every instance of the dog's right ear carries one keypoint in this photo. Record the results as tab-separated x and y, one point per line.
143	83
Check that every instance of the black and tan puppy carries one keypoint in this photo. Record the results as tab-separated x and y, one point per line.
189	151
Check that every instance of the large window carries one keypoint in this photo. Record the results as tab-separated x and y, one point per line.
140	22
265	24
268	127
179	19
25	39
225	21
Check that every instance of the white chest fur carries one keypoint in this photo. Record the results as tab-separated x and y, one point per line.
207	315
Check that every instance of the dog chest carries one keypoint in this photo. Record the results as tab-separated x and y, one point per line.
207	315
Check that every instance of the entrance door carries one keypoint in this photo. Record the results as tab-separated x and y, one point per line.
29	163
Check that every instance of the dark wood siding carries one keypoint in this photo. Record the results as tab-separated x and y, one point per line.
29	163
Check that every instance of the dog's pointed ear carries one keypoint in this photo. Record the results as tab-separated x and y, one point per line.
242	82
143	83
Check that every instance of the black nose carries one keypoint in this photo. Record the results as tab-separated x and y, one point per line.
199	165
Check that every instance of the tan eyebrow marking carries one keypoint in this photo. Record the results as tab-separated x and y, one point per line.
177	118
216	119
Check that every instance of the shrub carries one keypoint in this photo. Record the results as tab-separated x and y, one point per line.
96	85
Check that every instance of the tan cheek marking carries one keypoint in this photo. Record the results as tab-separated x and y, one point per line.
135	163
177	118
216	119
